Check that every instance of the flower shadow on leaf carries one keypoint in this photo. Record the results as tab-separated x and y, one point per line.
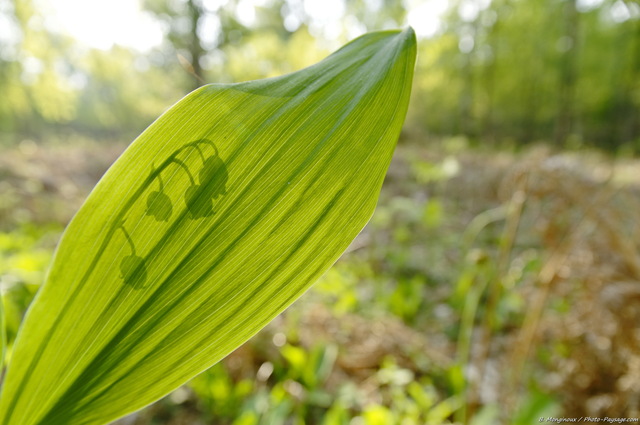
133	269
159	206
212	178
198	201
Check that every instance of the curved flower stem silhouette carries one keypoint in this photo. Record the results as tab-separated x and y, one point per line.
161	183
132	267
159	205
184	166
195	146
207	142
128	237
212	179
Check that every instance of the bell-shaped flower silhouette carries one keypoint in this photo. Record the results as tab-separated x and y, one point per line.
213	177
133	271
159	206
198	201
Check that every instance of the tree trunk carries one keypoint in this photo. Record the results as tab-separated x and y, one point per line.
195	47
568	72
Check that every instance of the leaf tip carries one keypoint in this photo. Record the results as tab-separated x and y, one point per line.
409	33
407	37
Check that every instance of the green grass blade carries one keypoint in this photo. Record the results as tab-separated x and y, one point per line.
221	214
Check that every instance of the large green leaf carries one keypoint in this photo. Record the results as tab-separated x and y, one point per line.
221	214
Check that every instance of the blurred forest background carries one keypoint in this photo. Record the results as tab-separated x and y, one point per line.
499	279
562	71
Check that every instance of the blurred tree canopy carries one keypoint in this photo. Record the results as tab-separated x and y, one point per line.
518	71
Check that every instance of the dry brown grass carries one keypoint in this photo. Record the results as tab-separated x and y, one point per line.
580	336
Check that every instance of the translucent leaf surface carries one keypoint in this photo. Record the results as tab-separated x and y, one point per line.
221	214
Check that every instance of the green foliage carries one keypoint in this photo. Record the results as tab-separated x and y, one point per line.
474	279
24	256
216	218
439	258
507	72
286	395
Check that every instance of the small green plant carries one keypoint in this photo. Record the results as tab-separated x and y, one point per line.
220	215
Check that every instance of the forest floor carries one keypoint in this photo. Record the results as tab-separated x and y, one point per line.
489	287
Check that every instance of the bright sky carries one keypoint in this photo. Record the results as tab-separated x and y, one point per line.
101	24
425	16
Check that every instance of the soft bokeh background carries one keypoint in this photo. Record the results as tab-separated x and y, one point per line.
498	281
